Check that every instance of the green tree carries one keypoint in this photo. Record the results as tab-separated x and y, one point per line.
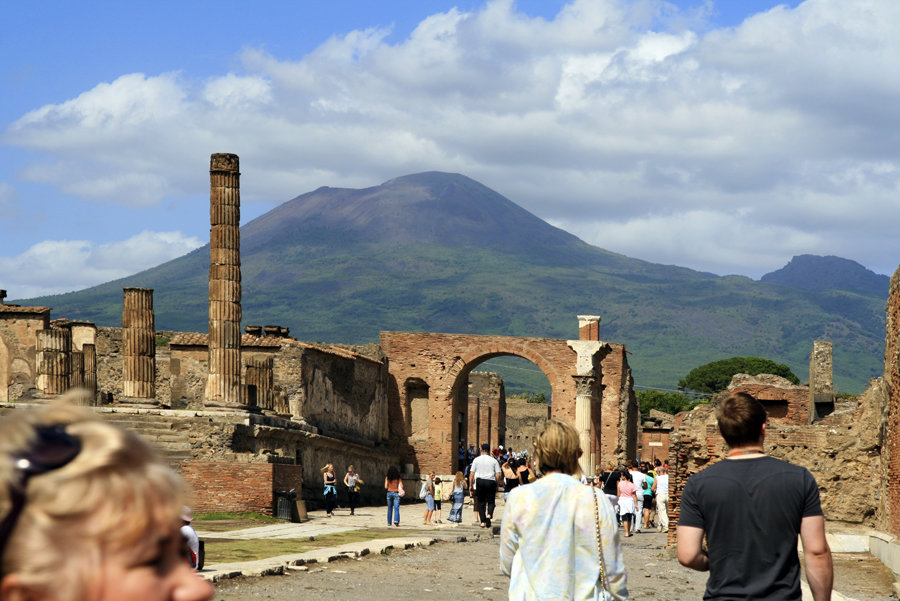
668	402
714	377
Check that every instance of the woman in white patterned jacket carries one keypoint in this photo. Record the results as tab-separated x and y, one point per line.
549	543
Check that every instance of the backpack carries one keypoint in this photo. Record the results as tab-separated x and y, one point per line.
423	492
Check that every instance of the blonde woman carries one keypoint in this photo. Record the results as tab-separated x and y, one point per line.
352	481
457	495
330	492
89	513
556	554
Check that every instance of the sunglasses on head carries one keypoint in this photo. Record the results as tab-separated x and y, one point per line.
52	449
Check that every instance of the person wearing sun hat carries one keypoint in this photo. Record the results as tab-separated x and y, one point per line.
190	536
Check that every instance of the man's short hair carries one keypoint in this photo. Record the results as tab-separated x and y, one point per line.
485	447
740	418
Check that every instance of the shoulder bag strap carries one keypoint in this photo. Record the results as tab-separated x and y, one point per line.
599	542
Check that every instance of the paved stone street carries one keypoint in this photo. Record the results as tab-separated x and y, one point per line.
427	563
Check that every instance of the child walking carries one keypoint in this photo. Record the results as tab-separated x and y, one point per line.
438	496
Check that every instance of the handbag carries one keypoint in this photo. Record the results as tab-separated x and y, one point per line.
605	594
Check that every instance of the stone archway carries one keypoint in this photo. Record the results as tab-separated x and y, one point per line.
590	381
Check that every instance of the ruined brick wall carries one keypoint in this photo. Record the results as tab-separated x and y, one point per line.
18	349
890	514
342	396
654	444
785	402
618	419
229	487
837	451
524	421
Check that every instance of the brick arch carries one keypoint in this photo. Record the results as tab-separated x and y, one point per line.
443	362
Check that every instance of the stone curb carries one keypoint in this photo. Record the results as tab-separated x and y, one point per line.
278	565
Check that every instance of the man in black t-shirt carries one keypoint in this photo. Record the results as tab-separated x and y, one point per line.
751	508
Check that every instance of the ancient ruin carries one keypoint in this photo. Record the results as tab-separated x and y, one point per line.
245	415
242	414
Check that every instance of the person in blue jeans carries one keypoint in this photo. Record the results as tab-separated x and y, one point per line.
393	486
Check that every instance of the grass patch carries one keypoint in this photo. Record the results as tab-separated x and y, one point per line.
223	522
231	550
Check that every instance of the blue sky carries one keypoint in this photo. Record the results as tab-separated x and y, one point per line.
722	136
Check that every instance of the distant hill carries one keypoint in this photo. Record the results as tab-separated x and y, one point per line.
812	272
440	252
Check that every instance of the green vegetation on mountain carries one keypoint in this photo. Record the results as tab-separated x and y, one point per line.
440	252
715	376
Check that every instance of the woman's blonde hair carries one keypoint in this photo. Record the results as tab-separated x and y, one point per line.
116	498
326	467
459	479
557	448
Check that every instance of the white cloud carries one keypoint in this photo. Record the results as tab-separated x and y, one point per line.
627	118
57	266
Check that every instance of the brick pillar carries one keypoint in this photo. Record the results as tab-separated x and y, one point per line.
139	347
90	370
588	327
223	386
260	376
53	364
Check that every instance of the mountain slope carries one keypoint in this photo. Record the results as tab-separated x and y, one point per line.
440	252
829	273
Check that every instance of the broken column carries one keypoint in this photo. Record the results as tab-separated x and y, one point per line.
90	370
53	366
139	347
223	385
821	379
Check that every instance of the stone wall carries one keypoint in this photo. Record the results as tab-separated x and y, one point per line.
785	402
18	348
524	421
840	451
487	410
890	510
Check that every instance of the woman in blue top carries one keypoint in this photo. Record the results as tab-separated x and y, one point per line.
330	481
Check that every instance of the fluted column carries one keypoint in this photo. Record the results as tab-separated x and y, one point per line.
90	370
223	385
139	347
584	396
53	364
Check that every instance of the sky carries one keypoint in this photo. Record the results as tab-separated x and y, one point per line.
722	135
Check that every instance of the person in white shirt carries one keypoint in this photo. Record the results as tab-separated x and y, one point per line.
484	475
190	537
661	488
638	478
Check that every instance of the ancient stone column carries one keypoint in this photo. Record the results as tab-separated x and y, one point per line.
821	379
53	365
90	369
261	379
223	385
584	396
588	327
138	347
